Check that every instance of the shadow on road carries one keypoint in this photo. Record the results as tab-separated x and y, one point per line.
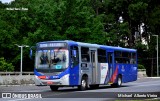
69	89
68	92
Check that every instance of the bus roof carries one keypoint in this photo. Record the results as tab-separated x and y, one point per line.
105	47
94	45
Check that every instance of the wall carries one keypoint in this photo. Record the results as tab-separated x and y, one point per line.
16	79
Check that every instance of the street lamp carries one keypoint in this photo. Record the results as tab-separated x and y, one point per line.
21	54
157	56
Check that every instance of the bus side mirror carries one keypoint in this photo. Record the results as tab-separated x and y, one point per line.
31	53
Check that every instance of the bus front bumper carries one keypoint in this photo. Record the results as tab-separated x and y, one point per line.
59	82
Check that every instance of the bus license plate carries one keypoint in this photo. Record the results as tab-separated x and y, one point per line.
49	83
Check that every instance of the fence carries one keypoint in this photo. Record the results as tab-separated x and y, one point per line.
16	73
15	78
139	70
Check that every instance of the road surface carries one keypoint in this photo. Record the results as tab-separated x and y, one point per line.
144	88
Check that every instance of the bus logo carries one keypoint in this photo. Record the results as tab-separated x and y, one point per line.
55	77
47	77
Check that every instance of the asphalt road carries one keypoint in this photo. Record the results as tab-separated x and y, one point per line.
144	88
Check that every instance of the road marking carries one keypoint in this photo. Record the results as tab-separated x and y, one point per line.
153	77
143	82
156	98
18	85
19	99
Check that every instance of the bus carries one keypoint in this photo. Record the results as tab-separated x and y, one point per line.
69	63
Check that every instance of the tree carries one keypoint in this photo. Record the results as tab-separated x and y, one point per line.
4	66
47	20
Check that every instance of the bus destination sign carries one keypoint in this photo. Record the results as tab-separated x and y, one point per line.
44	45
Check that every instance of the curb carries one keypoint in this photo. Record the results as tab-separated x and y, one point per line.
18	85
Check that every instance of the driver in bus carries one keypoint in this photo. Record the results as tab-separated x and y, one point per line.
44	58
55	59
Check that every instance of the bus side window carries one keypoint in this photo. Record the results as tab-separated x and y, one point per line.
102	58
118	56
85	54
133	58
109	57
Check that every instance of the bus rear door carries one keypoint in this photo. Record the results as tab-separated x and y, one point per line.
110	56
94	66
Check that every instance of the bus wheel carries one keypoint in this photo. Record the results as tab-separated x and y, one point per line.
84	84
119	82
54	88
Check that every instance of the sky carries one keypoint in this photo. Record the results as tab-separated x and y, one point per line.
6	1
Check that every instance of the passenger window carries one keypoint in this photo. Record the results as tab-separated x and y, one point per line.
102	56
109	57
85	54
133	58
122	57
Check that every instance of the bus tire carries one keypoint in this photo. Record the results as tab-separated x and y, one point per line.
84	83
118	83
54	88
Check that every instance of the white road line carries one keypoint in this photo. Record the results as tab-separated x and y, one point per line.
19	99
145	82
156	98
146	85
153	77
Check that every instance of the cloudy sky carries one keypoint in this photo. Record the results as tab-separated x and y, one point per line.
6	1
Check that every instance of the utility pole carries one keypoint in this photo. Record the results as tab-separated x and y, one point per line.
157	56
21	55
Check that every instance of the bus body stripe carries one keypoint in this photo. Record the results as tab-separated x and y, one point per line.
113	78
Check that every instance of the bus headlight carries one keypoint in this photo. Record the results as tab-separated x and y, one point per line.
65	77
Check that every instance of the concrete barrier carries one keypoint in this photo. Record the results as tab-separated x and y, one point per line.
142	73
16	79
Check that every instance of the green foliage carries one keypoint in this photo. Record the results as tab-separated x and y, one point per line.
138	11
154	21
47	20
93	21
4	66
140	66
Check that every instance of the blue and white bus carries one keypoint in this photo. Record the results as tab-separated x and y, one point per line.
70	63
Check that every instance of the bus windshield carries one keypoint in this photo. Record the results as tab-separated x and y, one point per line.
55	58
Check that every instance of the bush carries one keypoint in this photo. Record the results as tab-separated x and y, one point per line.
4	66
140	66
